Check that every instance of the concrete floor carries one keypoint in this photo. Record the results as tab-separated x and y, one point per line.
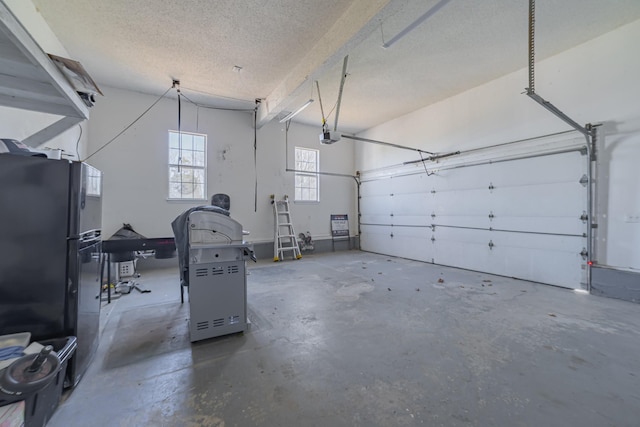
358	339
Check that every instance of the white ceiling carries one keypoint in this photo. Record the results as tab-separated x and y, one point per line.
283	45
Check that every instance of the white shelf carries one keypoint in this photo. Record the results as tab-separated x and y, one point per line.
29	80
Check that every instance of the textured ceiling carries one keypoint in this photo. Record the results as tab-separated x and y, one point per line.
283	45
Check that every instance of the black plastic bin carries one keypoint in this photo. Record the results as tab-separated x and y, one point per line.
41	404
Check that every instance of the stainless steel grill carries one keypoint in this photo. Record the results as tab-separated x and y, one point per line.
214	272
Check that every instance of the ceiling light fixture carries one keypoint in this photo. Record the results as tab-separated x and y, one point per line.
295	113
415	23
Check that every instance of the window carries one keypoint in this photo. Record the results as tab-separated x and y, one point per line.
94	181
307	179
187	165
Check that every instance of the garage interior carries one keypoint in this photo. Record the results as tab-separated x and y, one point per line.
461	178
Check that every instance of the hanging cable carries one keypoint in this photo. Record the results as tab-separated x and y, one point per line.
78	142
131	124
255	156
176	84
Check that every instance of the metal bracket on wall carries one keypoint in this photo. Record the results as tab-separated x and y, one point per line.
584	180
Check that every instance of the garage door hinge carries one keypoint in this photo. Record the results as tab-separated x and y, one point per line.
584	180
391	235
433	214
433	227
433	191
584	253
491	187
584	217
491	215
491	245
433	239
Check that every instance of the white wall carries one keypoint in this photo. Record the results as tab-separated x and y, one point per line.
20	124
594	82
135	166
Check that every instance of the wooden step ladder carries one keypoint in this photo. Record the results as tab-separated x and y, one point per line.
284	237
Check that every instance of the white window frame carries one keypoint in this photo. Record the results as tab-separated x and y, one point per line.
181	165
300	174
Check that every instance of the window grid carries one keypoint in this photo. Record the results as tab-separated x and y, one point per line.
187	165
307	180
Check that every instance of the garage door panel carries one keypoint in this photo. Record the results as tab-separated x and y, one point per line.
472	201
376	188
464	248
560	199
375	238
542	258
471	178
378	205
566	167
410	204
380	219
412	243
411	220
409	184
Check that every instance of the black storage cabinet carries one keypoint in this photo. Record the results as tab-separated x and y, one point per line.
41	404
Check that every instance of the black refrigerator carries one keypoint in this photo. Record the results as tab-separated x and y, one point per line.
50	246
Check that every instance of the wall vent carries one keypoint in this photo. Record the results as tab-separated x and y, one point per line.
218	322
232	269
216	271
201	272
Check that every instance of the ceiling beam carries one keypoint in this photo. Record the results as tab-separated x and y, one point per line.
355	25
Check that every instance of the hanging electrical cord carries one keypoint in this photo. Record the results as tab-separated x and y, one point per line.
78	141
128	126
176	84
255	155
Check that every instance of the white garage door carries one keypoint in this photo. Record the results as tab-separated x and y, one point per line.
517	218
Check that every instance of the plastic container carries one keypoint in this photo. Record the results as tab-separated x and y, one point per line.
41	404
